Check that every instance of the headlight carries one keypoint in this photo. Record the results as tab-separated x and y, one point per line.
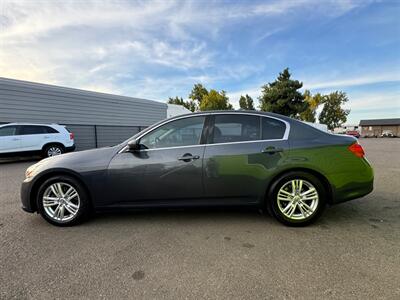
30	172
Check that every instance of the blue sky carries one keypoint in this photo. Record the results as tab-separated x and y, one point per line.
157	49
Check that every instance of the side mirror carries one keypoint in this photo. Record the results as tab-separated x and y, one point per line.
134	145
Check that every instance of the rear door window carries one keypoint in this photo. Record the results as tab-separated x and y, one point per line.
232	128
32	129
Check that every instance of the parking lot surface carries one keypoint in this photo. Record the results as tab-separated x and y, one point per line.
352	252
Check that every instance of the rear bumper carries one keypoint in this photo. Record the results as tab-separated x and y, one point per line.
353	184
352	191
70	149
27	204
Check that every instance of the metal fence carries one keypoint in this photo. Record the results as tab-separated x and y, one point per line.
95	136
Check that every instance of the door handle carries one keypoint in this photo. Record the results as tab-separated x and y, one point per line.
272	150
188	157
16	139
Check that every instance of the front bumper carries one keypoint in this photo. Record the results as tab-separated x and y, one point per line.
27	204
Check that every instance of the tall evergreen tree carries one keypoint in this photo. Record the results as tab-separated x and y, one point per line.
282	96
190	105
198	92
246	102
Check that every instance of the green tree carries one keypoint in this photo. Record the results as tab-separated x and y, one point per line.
246	102
198	92
282	96
332	114
190	105
313	101
215	100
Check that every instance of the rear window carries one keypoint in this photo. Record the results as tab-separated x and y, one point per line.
272	129
50	130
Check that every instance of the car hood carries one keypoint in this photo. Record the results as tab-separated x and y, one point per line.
80	161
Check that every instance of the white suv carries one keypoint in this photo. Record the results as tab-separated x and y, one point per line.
49	140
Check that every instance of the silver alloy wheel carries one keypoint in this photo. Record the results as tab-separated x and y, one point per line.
61	202
53	151
297	199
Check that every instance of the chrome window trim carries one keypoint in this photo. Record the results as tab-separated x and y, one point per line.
174	147
285	135
209	145
244	142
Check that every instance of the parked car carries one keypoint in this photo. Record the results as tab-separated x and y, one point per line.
370	135
257	159
354	133
45	139
387	133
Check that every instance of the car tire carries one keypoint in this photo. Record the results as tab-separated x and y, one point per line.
69	207
53	150
301	206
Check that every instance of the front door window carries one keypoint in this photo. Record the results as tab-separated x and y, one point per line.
8	131
182	132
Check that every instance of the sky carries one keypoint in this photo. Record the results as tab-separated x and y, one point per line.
160	49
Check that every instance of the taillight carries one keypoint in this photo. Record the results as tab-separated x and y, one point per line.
357	150
71	136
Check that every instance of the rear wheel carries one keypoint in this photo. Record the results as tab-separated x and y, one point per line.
62	201
53	150
297	199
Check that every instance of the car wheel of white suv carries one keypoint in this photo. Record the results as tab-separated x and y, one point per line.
53	150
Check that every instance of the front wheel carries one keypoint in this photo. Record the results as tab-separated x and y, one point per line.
63	201
297	199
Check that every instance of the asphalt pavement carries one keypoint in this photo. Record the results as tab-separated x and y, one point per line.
352	252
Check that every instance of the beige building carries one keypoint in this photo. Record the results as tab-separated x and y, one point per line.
374	128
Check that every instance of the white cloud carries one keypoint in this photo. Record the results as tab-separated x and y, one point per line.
104	88
150	49
373	106
278	7
326	85
356	80
388	100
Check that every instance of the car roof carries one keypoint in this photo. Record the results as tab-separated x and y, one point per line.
286	119
247	112
38	124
